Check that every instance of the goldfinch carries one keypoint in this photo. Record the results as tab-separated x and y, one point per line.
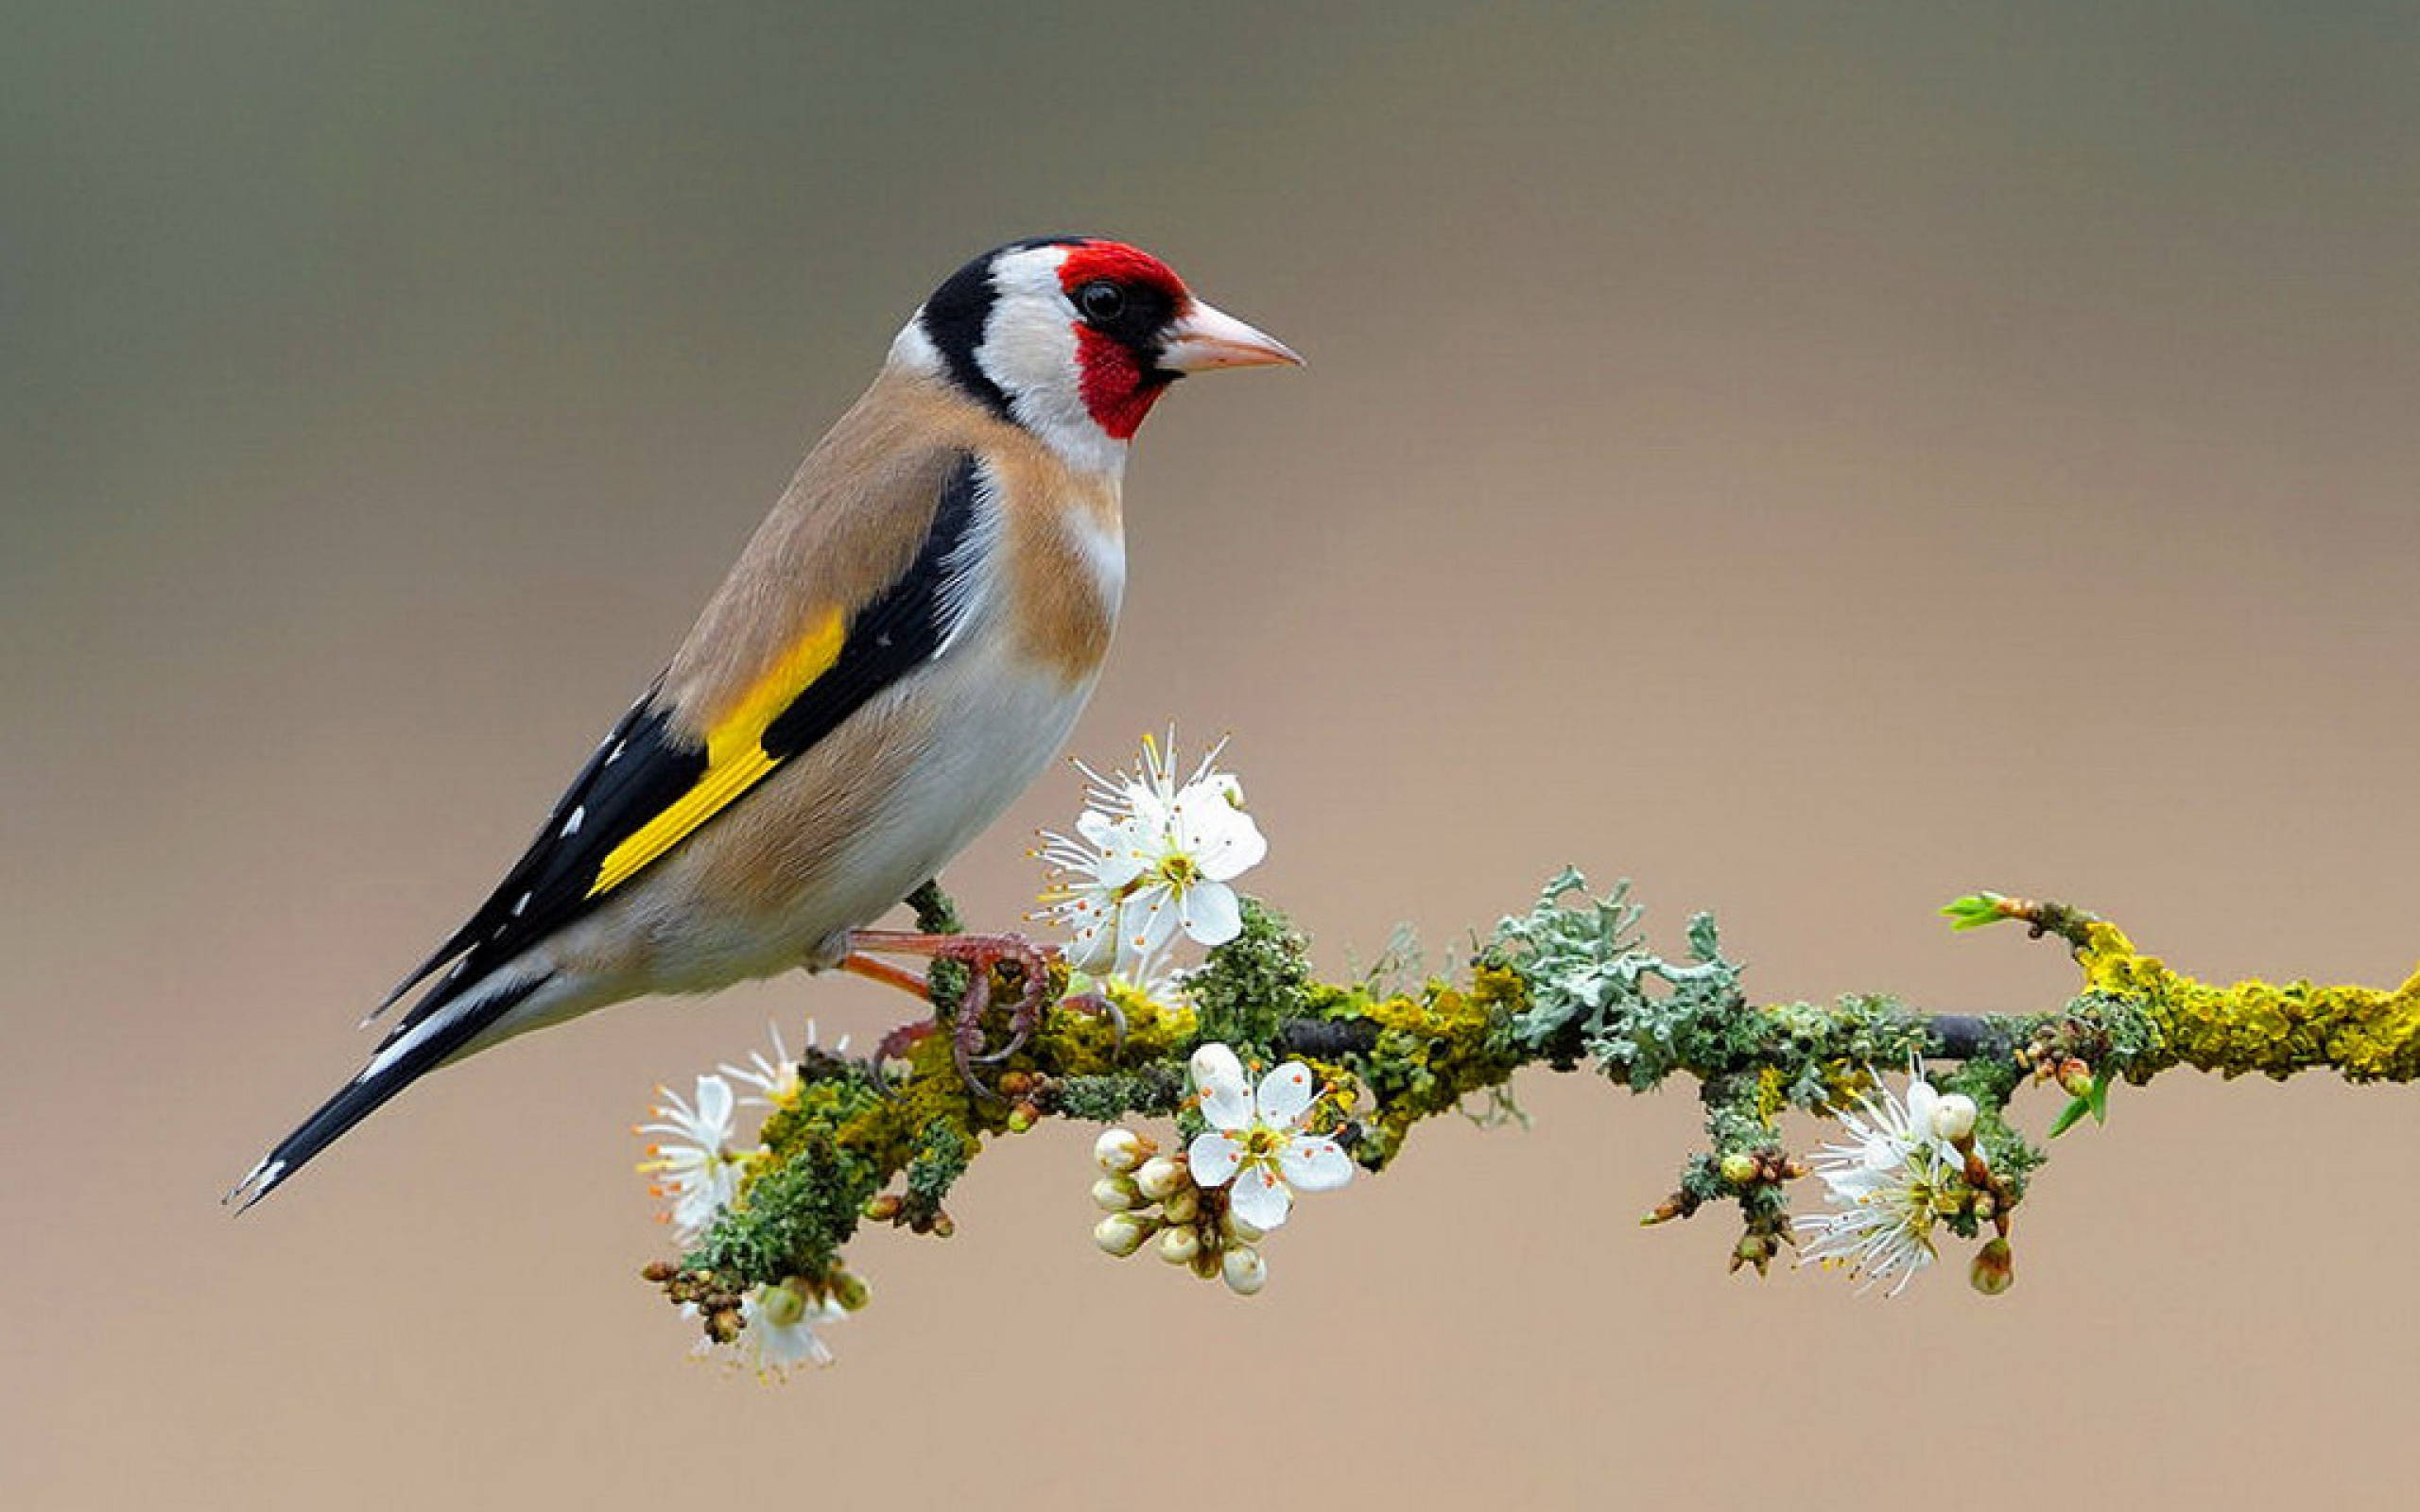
900	649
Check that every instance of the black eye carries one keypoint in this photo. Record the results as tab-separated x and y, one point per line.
1101	301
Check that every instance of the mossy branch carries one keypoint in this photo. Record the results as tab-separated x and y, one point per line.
1567	984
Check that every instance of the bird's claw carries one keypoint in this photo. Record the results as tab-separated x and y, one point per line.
981	954
1101	1006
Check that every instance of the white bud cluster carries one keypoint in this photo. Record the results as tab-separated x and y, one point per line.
1150	1197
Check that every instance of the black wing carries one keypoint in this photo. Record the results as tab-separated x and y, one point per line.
644	767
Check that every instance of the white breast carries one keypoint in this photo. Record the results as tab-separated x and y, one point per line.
996	723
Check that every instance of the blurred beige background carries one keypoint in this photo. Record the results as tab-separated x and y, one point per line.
1815	460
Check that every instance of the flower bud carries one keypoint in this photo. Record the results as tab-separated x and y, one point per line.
1240	1231
1953	1118
1244	1271
2076	1077
1160	1177
1120	1150
1994	1268
1209	1061
851	1292
1115	1194
1740	1168
1179	1245
1122	1234
1184	1206
1023	1117
781	1306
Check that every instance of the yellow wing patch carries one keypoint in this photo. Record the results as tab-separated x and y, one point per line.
736	756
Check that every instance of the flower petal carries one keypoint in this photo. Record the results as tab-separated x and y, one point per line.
1922	1099
1203	811
1286	1095
1209	912
1315	1162
713	1105
1226	1097
1213	1157
1260	1199
1123	855
1213	828
1091	945
1148	920
1094	919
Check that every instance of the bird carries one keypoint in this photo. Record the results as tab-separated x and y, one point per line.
901	648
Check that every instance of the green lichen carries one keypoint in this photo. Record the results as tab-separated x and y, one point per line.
923	1128
946	981
1593	989
941	1156
1573	962
797	1216
1152	1092
1253	984
1816	1053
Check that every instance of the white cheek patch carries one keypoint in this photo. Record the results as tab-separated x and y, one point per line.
1029	351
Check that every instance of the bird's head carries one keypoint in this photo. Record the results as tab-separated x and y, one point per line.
1074	338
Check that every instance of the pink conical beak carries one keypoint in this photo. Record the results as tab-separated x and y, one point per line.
1205	337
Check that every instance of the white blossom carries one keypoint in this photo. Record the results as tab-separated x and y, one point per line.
1150	858
777	1332
774	1077
692	1163
1256	1140
1888	1183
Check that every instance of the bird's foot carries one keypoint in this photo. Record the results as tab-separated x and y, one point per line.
981	954
1100	1006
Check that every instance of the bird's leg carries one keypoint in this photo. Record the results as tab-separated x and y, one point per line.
979	954
883	971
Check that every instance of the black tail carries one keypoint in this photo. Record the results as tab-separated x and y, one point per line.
412	1052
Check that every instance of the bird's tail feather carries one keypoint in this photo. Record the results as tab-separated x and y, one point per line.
405	1058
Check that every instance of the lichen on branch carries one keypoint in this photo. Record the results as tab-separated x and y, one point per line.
1351	1068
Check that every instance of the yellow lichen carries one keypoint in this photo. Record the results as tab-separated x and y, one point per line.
1433	1050
1772	1095
2276	1029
